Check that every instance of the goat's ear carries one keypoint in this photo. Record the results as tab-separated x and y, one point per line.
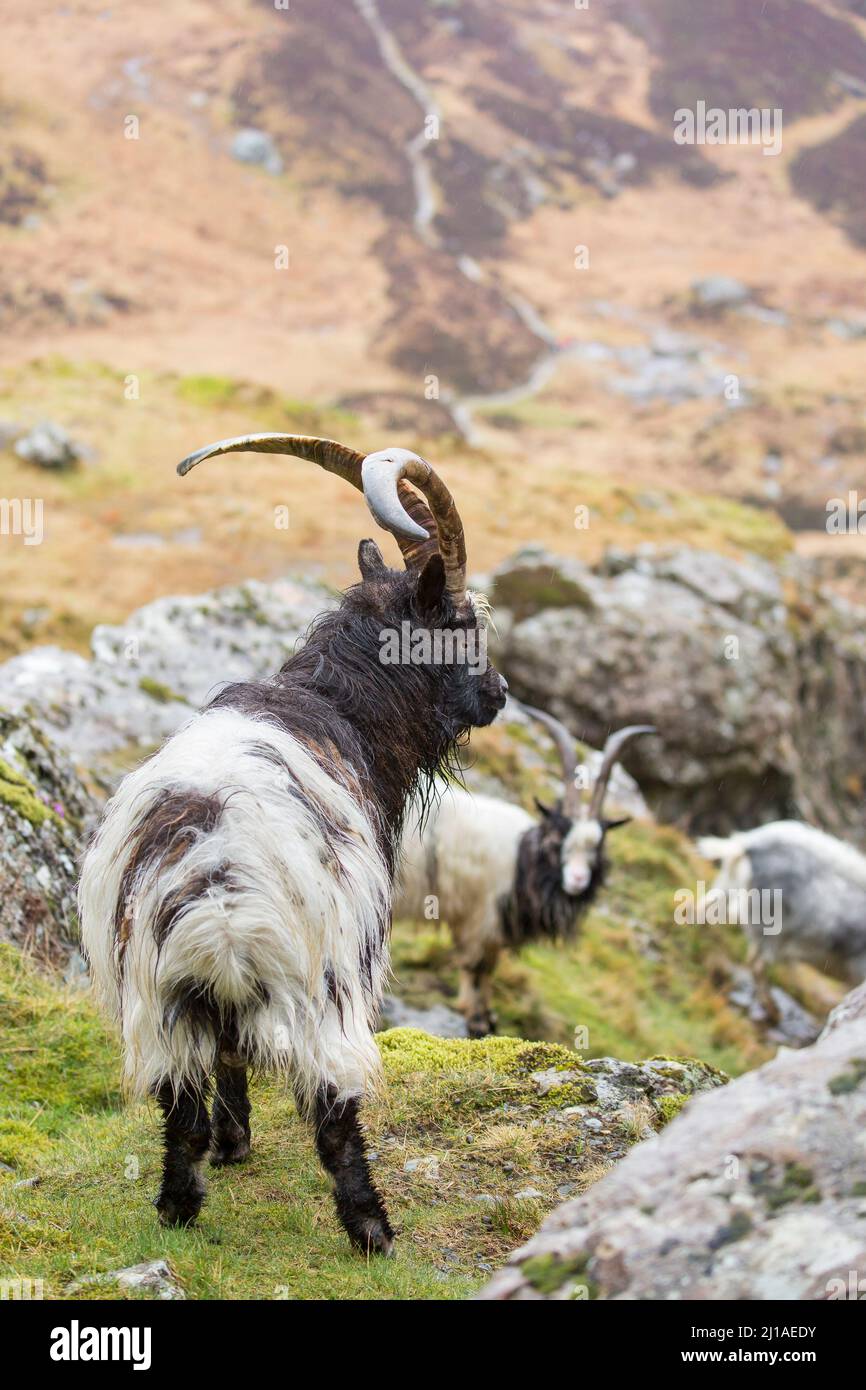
607	825
431	587
545	810
371	561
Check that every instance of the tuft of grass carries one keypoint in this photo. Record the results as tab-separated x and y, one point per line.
57	1060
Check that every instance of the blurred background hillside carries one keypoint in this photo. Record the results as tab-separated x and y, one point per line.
462	225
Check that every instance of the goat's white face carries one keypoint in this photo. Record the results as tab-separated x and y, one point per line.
580	854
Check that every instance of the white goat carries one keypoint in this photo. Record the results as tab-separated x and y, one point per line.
820	883
499	877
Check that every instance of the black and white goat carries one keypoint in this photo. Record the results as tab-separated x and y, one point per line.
798	893
235	902
500	878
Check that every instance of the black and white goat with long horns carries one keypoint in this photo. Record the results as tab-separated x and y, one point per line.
235	902
499	877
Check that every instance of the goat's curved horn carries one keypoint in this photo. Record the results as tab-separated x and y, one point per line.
382	475
565	748
410	521
609	758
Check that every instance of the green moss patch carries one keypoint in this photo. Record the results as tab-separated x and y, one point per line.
21	796
849	1080
163	694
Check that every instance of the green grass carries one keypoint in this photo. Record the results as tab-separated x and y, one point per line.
57	1061
268	1229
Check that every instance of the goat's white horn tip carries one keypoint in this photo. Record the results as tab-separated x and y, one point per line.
191	460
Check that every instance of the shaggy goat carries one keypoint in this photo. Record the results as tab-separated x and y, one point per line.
501	878
819	913
235	902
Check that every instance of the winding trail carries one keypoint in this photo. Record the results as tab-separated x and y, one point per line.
427	201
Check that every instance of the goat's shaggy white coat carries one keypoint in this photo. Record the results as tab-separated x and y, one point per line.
264	943
464	856
822	887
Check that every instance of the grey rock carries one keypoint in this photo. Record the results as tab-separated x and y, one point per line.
734	671
718	292
49	446
438	1020
793	1026
754	1192
847	328
551	1080
45	813
426	1167
252	146
149	674
153	1278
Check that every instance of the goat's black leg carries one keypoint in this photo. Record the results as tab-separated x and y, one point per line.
230	1119
186	1140
340	1143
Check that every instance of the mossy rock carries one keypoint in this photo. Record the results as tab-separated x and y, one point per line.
20	796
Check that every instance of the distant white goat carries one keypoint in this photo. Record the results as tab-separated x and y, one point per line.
500	877
821	887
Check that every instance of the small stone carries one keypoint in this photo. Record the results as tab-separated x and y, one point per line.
252	146
549	1080
528	1193
49	446
716	292
427	1167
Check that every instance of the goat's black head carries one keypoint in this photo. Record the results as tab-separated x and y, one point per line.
440	638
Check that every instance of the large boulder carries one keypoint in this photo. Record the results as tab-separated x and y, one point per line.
755	1191
753	678
45	814
148	675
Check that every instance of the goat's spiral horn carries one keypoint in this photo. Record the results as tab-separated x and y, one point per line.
565	746
564	742
383	477
393	503
610	757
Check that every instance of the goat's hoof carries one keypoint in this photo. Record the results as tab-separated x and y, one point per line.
180	1209
373	1238
230	1150
481	1026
